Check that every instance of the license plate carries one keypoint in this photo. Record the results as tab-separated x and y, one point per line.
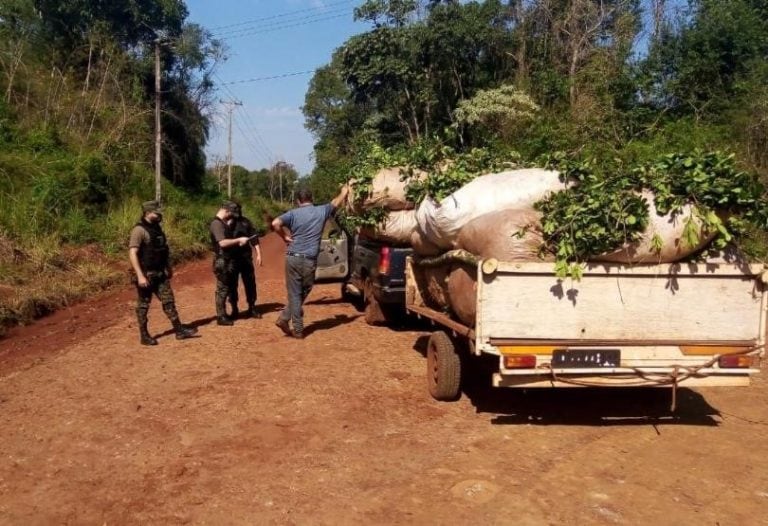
586	358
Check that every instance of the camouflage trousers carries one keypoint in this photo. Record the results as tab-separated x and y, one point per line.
160	286
243	268
224	270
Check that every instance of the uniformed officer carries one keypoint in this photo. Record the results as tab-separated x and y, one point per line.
224	244
243	262
149	255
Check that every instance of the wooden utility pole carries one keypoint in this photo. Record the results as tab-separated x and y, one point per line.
231	107
158	131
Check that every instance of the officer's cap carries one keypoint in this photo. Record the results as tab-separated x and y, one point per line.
151	206
231	206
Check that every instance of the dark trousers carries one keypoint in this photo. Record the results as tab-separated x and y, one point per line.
160	286
224	270
243	268
299	278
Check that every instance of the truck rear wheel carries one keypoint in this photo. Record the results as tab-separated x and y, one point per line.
374	314
443	368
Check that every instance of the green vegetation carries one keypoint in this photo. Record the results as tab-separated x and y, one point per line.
606	210
624	89
77	143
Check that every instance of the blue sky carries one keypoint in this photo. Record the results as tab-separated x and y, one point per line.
269	38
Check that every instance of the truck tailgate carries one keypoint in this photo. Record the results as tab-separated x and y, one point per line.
686	303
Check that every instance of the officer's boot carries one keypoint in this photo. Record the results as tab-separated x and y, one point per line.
235	311
183	331
146	338
253	312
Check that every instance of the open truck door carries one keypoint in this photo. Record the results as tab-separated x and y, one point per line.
333	259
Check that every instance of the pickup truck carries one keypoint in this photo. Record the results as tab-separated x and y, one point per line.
371	273
689	324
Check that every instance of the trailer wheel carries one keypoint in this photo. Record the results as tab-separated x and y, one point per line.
443	367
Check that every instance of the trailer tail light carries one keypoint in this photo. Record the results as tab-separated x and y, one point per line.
385	257
711	350
735	361
519	361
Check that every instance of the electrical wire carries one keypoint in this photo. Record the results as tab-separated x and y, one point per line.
286	14
286	26
258	79
281	23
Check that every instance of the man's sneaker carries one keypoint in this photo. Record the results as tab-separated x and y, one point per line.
224	320
283	326
297	335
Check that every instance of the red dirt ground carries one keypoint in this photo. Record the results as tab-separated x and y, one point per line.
245	426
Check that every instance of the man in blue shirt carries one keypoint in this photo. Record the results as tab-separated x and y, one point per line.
302	230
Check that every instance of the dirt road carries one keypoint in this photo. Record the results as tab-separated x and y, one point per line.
245	426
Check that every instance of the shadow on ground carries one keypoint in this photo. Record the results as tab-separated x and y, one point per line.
578	405
329	323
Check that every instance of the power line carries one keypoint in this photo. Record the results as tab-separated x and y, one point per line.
280	23
258	79
252	145
248	119
287	26
289	13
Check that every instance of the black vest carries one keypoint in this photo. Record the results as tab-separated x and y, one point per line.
242	227
153	256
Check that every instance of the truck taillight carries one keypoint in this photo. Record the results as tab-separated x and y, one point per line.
384	259
735	361
519	361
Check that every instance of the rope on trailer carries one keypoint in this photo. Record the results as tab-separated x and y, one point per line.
672	378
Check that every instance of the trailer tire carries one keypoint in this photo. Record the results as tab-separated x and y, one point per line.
443	368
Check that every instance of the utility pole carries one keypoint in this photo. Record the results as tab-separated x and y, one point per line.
230	107
158	131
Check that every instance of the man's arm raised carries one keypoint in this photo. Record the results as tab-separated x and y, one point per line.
337	201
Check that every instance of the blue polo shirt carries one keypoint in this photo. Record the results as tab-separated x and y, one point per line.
306	225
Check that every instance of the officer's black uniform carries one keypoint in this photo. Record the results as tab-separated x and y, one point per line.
243	265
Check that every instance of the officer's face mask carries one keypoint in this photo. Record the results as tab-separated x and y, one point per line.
158	217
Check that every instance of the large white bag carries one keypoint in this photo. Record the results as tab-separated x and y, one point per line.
397	228
387	191
670	229
441	222
507	235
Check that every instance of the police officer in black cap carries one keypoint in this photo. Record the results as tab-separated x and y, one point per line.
149	255
243	262
224	245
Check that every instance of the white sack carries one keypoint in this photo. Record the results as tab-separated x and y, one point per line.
670	229
441	222
387	191
507	235
397	228
422	246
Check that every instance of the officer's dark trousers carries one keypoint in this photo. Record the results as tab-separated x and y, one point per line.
299	278
243	268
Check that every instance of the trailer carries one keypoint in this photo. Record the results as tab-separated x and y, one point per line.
691	324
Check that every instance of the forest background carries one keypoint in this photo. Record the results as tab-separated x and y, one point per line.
615	81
